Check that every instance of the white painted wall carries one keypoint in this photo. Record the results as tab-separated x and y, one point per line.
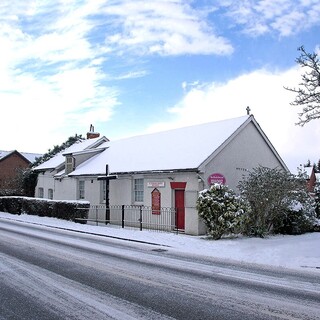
121	192
46	182
65	189
93	189
245	152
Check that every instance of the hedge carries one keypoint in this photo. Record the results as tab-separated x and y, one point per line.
61	209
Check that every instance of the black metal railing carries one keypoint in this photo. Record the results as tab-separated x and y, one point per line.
135	216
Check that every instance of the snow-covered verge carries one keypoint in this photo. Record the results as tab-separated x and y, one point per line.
296	252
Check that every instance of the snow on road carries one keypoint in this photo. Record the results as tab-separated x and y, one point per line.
84	276
68	298
296	252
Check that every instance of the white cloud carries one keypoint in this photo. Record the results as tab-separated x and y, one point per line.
50	69
132	75
290	23
264	92
167	27
284	17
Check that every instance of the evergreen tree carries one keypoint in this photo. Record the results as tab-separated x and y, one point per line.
30	177
29	181
308	164
318	166
57	148
317	199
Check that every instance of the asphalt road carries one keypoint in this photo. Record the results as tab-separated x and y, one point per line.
47	273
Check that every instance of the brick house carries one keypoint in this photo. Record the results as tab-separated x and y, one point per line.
11	165
310	178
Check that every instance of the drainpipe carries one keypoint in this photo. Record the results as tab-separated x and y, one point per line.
201	179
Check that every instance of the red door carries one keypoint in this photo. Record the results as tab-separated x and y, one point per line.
179	204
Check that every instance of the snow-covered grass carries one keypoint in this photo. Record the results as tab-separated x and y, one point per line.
296	252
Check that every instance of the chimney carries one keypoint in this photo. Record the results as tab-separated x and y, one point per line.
91	134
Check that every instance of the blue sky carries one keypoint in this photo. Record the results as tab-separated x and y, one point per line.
132	67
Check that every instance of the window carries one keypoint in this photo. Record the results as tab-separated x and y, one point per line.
81	189
138	190
40	193
50	194
69	164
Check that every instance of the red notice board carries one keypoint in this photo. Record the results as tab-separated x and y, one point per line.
156	201
216	178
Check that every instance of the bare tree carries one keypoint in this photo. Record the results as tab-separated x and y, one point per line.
308	92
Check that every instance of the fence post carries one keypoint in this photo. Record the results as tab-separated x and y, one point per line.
122	215
97	223
140	219
177	218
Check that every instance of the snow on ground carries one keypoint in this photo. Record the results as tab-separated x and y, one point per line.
296	252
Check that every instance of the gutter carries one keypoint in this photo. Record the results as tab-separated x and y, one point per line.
157	171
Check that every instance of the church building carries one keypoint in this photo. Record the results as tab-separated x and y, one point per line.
164	169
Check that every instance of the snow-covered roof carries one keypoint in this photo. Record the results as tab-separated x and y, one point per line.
178	149
31	157
59	158
4	153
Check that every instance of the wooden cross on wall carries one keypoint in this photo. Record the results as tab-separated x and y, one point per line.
108	178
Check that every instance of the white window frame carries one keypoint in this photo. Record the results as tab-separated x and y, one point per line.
138	190
40	192
69	164
81	189
50	193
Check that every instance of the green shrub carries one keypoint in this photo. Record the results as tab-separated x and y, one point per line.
11	204
271	193
298	219
221	210
61	209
